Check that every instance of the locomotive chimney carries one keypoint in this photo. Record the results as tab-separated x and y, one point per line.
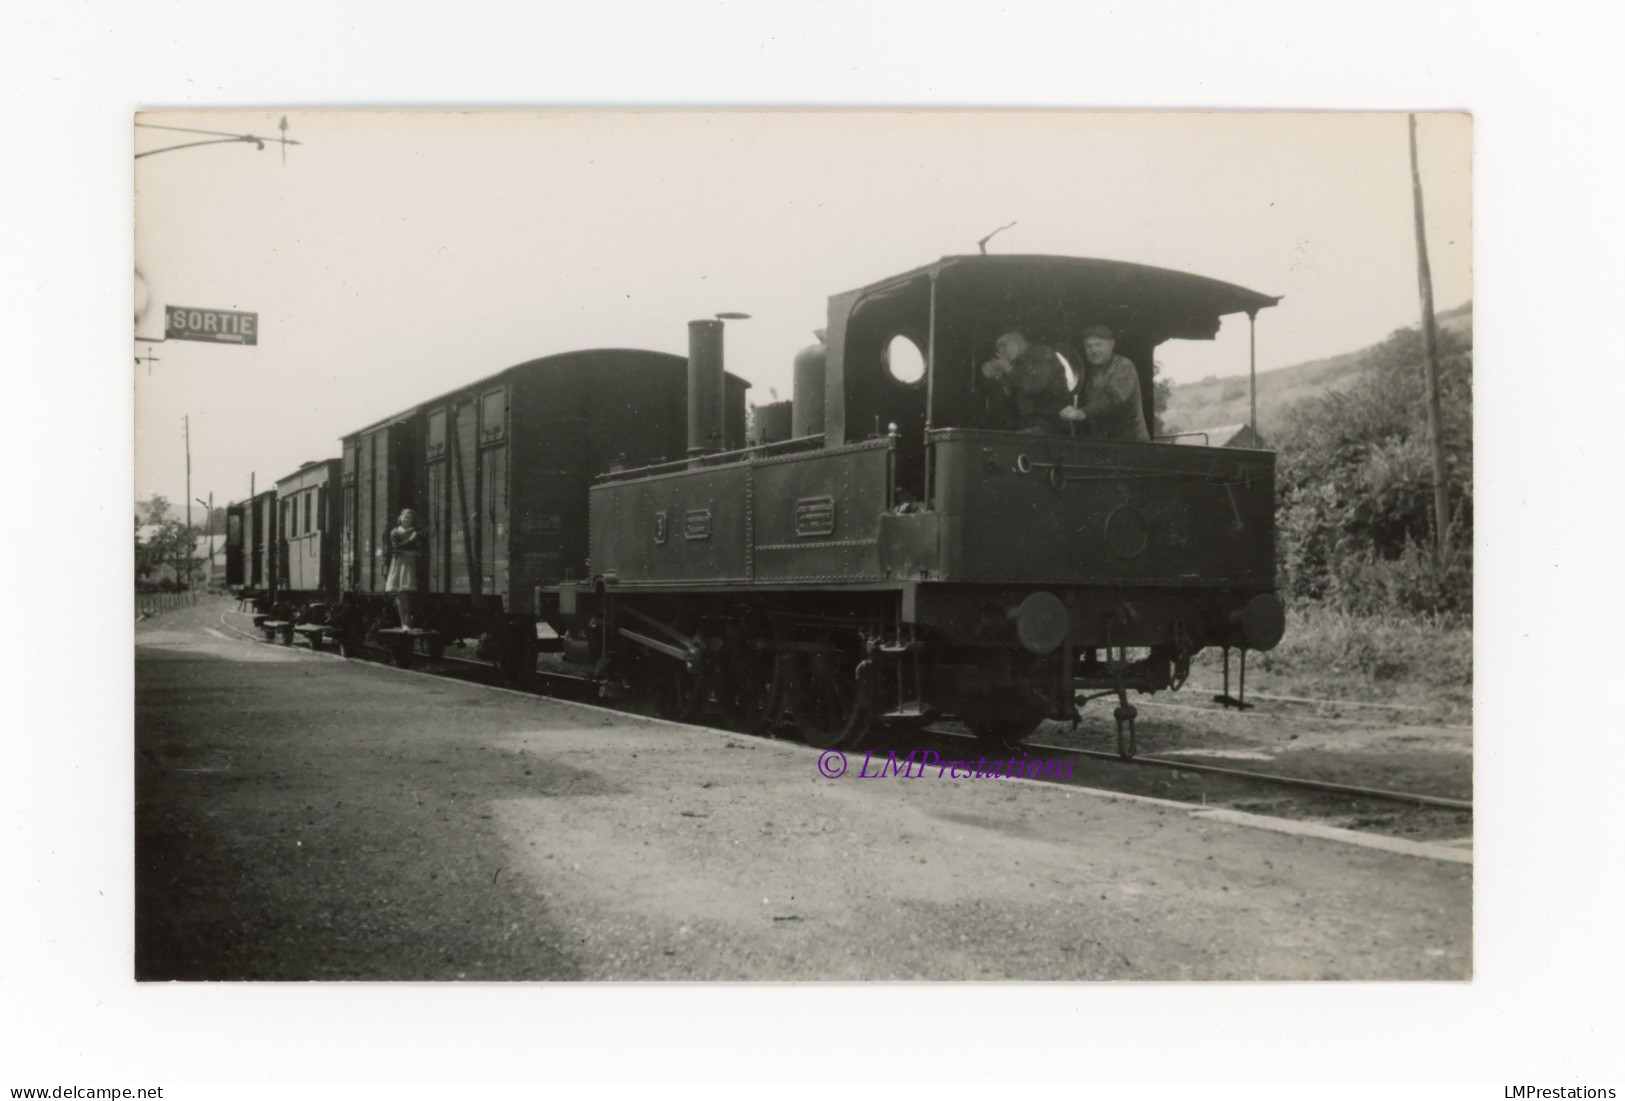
705	382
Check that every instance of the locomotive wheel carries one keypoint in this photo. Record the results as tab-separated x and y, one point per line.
1004	732
349	645
682	694
1125	715
830	713
753	694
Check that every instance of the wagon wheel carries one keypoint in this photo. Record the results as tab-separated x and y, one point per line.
829	710
436	646
287	635
517	662
349	645
400	653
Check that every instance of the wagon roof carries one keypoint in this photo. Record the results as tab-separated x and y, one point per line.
557	359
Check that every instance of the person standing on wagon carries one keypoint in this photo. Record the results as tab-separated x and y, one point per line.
407	545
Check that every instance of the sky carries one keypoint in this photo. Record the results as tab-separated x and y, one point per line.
393	255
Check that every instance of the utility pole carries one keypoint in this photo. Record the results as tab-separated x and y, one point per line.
187	421
208	533
1430	367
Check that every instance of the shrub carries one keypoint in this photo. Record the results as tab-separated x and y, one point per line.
1354	487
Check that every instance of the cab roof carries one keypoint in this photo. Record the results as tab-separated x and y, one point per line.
1157	290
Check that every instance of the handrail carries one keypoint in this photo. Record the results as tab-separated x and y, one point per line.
1182	435
710	456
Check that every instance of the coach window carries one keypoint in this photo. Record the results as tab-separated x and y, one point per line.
321	509
493	410
310	505
437	434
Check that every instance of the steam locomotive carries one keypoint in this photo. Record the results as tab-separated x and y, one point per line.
880	552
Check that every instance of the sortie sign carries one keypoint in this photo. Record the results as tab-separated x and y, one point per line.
213	326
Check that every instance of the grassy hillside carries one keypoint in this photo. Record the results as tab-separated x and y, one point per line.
1219	401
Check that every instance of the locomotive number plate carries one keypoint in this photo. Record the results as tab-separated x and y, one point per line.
697	524
815	516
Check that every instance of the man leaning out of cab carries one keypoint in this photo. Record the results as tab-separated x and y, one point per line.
1107	398
1032	376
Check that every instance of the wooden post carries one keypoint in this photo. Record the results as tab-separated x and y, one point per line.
1430	366
208	526
188	543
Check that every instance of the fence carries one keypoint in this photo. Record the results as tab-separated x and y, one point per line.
152	603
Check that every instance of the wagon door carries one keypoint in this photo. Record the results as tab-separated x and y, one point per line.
437	464
366	520
349	568
463	497
493	492
234	546
286	530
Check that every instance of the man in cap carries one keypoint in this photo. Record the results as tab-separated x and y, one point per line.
1032	377
1107	398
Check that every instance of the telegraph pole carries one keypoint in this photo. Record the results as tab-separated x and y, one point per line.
208	533
187	421
1430	366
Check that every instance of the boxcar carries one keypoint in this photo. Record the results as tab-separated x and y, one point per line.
251	544
498	472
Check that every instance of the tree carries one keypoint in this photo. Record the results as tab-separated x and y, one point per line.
154	510
1161	391
167	543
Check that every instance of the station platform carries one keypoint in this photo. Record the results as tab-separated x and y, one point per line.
300	816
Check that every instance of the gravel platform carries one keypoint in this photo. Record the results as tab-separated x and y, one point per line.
302	817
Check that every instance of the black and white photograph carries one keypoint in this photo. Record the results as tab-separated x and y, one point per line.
557	548
743	545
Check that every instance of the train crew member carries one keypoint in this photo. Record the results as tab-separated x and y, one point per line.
1029	385
407	545
1107	398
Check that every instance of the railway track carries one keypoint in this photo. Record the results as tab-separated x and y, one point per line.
1186	781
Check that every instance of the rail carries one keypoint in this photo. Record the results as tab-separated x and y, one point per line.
1269	777
148	604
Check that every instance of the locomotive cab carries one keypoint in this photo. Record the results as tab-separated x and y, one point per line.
905	353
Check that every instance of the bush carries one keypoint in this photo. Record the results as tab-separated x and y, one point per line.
1354	487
